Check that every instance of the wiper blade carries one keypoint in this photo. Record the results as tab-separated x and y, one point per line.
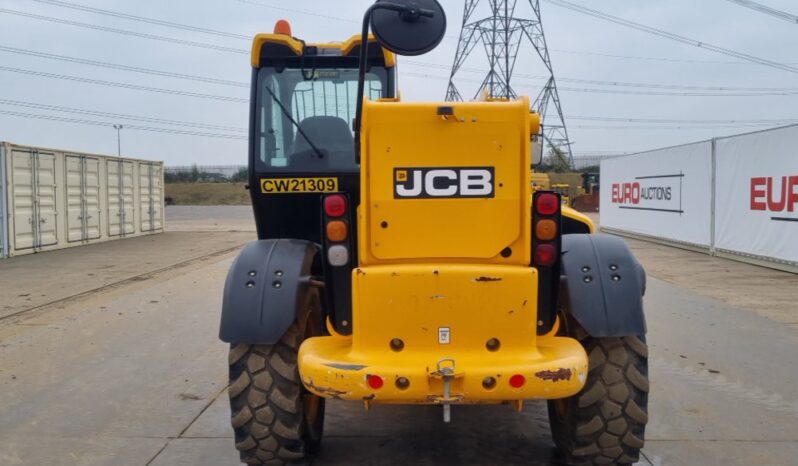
293	122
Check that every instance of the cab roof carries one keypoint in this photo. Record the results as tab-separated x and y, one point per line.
281	45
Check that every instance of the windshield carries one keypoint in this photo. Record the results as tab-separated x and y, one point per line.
304	121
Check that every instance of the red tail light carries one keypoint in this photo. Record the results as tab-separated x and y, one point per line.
547	204
335	205
517	381
545	254
375	381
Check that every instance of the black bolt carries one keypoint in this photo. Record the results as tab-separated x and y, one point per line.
493	344
397	344
488	383
402	383
507	252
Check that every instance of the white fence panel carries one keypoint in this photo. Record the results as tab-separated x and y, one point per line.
666	193
756	212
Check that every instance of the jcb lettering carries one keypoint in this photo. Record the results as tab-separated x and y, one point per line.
431	183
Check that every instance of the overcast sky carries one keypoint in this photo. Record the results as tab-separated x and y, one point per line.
580	48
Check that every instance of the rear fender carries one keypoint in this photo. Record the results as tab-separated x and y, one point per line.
264	289
602	285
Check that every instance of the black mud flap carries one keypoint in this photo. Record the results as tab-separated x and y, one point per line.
602	285
264	288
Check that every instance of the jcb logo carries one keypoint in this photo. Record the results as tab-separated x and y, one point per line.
429	182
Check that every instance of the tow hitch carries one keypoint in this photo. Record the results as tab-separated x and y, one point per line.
446	373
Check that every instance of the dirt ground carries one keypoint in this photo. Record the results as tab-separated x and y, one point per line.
208	194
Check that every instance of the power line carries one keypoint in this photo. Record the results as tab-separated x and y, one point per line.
142	19
672	36
670	128
123	85
117	66
245	52
773	92
243	84
612	83
118	116
767	10
681	121
302	12
133	127
126	32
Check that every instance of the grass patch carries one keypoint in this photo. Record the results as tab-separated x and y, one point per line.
207	193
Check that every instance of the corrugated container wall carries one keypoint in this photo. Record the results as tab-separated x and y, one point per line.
53	199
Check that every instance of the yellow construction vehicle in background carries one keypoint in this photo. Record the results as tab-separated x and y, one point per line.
564	190
540	181
588	198
403	257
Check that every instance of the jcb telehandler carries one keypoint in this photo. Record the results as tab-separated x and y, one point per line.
402	258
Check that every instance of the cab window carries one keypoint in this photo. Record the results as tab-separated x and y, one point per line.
304	117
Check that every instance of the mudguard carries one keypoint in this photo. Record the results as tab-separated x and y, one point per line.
264	288
602	285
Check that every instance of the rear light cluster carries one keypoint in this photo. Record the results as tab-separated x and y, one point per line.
336	229
546	228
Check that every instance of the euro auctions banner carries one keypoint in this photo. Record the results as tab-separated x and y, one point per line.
756	194
664	193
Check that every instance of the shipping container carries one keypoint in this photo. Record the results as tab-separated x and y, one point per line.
3	222
53	199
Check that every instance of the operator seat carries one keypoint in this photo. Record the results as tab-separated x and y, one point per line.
332	136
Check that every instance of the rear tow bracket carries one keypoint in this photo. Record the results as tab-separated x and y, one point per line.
446	372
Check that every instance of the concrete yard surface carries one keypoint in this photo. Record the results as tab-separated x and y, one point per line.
125	367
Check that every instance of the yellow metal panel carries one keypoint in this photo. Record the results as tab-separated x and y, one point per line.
479	134
579	217
446	312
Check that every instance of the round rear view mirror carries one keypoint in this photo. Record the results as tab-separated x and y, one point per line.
415	31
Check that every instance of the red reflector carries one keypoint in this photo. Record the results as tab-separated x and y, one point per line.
335	205
547	204
517	381
545	254
375	381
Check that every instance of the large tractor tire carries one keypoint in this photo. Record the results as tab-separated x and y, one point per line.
605	423
277	422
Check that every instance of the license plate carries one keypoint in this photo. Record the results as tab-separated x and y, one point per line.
298	185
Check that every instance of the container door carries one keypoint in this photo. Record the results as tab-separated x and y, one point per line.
3	227
145	204
120	197
128	199
156	195
74	198
47	207
83	197
151	192
21	199
91	197
33	199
